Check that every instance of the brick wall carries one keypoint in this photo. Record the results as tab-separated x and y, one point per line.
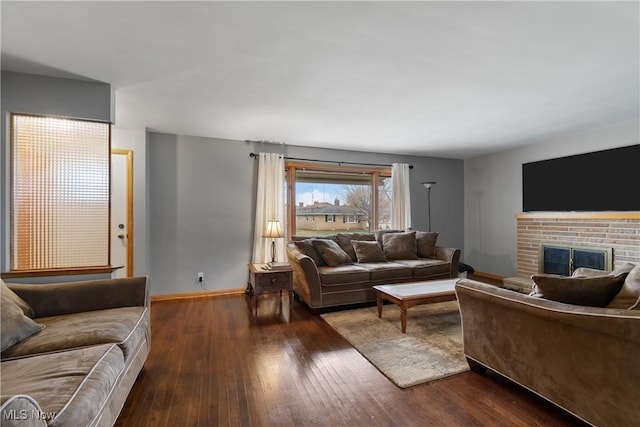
617	230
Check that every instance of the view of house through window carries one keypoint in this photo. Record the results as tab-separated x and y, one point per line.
332	201
59	193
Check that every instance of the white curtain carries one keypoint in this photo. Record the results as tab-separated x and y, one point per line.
269	205
400	197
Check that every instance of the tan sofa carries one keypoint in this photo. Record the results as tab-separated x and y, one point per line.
321	285
583	359
78	369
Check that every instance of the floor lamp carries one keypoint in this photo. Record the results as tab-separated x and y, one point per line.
428	186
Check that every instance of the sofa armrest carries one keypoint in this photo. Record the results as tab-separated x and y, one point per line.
55	299
306	279
450	255
21	410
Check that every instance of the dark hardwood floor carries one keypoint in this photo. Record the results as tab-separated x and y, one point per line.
213	363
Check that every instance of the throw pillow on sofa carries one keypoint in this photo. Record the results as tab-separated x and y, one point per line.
400	245
331	252
379	234
306	247
426	244
26	308
629	295
344	240
14	325
596	291
367	251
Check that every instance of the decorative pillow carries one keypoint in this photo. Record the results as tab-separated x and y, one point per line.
587	272
14	325
597	291
629	295
26	308
331	252
379	233
426	244
400	245
306	247
367	251
344	240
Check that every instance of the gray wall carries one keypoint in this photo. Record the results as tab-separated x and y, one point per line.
202	197
28	93
493	192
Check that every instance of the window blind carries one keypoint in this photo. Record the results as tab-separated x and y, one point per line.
60	193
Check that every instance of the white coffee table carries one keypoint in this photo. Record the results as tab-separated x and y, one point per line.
408	295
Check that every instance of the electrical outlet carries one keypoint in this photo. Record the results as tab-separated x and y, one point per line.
200	277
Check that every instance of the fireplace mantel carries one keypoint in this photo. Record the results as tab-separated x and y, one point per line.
578	215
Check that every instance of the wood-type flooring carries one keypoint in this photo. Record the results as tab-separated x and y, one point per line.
214	363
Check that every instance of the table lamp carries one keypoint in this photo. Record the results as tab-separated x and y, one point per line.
273	230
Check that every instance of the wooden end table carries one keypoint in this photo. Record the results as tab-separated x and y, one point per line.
262	279
408	295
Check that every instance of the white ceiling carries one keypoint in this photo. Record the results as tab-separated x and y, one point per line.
451	79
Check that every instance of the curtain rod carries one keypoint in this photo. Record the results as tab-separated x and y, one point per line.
254	155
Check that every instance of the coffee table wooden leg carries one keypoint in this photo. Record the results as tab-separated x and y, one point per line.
403	319
379	303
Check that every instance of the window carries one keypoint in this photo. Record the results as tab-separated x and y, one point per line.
350	219
342	198
59	194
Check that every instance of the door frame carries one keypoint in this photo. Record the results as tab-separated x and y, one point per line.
129	153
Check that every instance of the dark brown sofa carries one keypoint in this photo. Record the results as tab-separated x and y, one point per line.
583	359
90	343
384	257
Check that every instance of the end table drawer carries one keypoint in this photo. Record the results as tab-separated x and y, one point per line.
274	280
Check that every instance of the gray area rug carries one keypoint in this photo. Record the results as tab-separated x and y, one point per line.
431	348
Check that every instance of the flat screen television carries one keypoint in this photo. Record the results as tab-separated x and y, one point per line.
607	180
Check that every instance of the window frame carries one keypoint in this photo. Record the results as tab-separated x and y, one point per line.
56	271
291	167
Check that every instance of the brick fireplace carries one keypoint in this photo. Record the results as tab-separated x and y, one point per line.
617	230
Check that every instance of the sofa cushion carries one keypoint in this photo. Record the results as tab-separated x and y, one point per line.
306	247
426	244
629	295
343	275
387	271
331	252
344	240
425	267
595	291
368	251
15	327
400	245
124	326
26	308
70	386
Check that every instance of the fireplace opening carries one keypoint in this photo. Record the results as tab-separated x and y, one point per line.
563	260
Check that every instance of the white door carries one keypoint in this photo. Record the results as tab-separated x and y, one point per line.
122	212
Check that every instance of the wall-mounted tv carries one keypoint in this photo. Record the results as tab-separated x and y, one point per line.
607	180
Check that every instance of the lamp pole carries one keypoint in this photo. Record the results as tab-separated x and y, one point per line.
428	186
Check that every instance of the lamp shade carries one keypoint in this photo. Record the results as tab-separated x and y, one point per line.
273	229
428	184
